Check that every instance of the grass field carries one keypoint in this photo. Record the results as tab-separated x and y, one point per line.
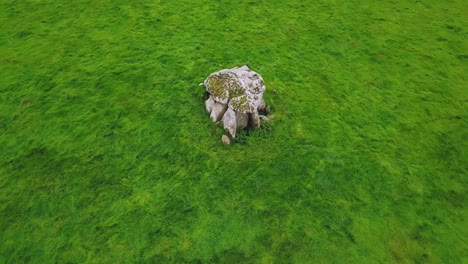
108	156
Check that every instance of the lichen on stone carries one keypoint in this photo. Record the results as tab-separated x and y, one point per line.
223	86
241	104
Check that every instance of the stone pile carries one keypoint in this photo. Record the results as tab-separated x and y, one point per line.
235	98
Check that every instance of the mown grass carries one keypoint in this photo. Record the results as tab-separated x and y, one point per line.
108	156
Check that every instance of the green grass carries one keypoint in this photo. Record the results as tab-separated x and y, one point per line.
108	156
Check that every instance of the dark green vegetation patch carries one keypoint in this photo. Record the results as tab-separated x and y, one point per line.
107	154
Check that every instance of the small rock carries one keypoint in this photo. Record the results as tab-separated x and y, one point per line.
255	119
267	109
275	91
225	139
270	117
263	118
262	105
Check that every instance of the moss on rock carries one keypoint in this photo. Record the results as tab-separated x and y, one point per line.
222	86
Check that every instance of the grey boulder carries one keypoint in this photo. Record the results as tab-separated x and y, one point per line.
235	98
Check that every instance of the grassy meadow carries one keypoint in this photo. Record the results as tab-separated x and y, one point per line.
107	154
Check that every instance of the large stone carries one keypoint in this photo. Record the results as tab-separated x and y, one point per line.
242	82
242	120
235	98
233	121
217	111
230	122
209	104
